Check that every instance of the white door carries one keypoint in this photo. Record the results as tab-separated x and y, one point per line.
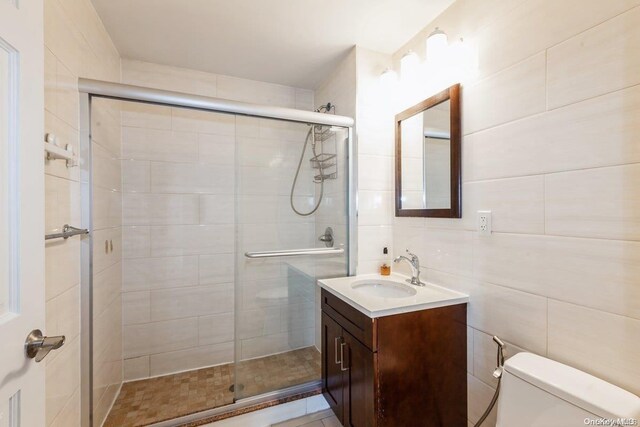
21	209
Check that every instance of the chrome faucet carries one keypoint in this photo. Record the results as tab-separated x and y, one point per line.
414	261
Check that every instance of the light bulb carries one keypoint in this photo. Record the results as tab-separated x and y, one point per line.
437	46
409	66
388	78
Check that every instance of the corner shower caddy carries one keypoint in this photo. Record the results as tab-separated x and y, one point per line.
326	163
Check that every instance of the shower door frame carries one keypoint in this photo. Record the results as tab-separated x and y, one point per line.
89	89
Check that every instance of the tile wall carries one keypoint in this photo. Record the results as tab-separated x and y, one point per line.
276	296
375	140
178	238
338	89
107	255
76	44
550	146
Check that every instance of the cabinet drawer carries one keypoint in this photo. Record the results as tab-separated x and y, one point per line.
359	325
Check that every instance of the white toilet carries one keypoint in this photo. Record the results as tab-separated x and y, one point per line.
536	391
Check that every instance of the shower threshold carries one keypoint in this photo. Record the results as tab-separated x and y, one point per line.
204	394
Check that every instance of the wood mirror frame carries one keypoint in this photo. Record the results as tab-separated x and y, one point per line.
454	211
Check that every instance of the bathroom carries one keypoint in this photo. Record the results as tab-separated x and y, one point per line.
226	185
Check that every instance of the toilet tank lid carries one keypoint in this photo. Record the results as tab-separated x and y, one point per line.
576	387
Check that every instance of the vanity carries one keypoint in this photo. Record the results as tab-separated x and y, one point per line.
393	354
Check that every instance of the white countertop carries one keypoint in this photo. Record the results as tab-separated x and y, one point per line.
426	297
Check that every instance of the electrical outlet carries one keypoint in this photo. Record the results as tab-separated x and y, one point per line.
484	223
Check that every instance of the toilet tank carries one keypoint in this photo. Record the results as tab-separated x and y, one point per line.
537	391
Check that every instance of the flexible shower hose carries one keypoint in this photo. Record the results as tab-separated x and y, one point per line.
491	405
497	374
295	179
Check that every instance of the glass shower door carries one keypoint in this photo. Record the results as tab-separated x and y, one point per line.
277	301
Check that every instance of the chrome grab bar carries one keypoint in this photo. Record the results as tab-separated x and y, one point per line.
67	231
295	252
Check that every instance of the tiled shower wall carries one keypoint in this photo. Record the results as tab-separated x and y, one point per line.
276	295
550	146
76	44
178	239
179	172
340	90
107	255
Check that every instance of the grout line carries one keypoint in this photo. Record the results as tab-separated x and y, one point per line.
544	204
55	419
520	119
547	329
553	172
65	178
493	387
479	282
521	234
594	26
590	98
623	316
567	237
546	79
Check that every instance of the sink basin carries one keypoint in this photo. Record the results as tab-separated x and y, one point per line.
383	288
376	296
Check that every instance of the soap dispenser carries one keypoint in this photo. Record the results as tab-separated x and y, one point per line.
385	269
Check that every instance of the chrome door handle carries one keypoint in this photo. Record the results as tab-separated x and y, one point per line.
38	346
335	350
342	368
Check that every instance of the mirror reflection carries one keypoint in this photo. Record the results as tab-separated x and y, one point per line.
426	158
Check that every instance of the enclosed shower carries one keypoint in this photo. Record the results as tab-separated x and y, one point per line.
217	218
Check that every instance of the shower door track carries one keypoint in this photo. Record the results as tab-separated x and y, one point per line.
89	89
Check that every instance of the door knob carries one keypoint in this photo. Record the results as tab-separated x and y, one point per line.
38	346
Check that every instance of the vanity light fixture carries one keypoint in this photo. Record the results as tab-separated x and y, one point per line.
437	45
388	78
409	66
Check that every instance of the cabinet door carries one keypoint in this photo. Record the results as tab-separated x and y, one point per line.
332	384
358	372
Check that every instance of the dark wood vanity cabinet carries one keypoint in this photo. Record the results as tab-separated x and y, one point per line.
405	369
331	369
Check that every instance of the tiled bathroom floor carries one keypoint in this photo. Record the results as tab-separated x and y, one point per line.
151	400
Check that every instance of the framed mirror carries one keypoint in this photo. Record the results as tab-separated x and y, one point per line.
428	157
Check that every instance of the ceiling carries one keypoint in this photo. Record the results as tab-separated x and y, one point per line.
291	42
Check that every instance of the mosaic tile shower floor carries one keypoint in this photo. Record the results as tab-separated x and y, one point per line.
148	401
